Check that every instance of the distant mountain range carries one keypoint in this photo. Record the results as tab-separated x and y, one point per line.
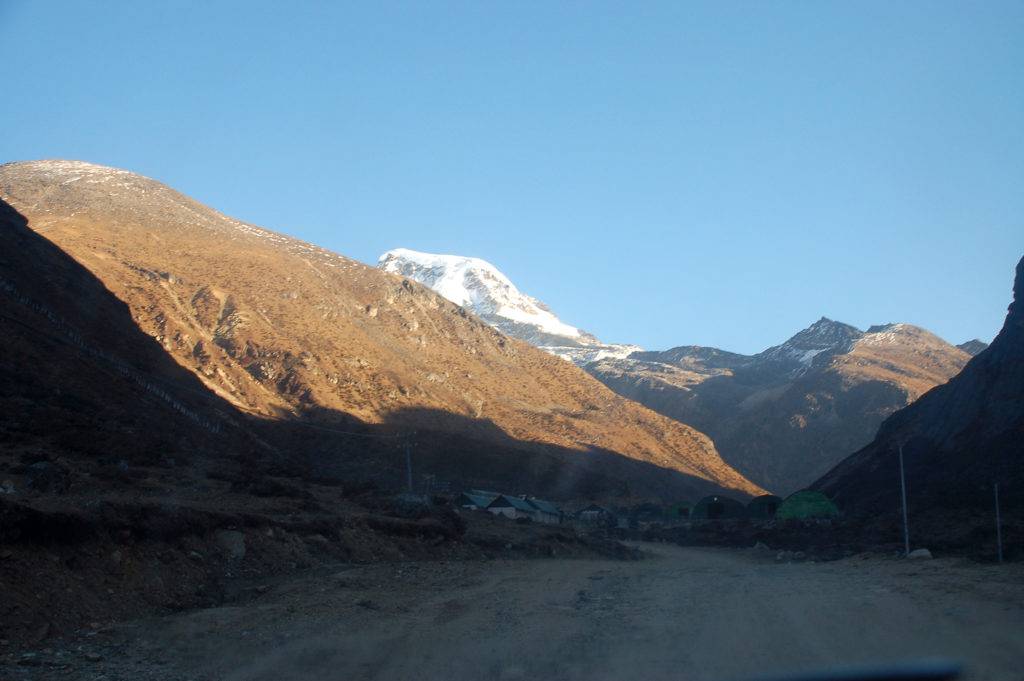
788	414
186	331
141	324
782	417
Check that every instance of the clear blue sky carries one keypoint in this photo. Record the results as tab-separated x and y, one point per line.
661	173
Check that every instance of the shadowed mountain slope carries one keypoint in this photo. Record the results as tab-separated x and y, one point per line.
959	439
278	331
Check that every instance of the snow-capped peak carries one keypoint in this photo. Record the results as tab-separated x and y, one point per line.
480	287
474	284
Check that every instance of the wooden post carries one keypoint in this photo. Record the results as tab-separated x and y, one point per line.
408	464
903	494
999	529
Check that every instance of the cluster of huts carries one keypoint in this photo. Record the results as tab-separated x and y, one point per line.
805	504
511	506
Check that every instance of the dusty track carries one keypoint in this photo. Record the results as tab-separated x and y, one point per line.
683	614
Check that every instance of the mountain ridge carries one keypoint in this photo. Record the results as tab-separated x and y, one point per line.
283	329
785	415
818	395
973	346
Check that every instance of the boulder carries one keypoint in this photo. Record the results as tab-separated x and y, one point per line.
231	543
46	476
920	554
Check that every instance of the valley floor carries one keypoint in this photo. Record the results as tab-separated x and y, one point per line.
683	613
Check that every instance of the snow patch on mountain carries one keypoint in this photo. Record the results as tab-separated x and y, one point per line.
888	334
824	336
481	288
476	285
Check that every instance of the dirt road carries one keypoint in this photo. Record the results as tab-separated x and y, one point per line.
684	613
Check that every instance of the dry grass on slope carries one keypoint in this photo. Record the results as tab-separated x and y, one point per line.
282	328
910	357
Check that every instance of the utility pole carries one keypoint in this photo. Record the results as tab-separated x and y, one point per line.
903	494
408	462
999	529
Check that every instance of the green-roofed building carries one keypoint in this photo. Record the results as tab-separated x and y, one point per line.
807	504
764	507
547	512
679	510
475	499
718	507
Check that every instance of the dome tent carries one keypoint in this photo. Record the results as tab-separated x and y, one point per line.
718	507
764	506
807	504
680	510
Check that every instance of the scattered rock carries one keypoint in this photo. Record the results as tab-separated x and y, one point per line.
29	660
318	539
231	542
513	672
46	476
920	554
41	633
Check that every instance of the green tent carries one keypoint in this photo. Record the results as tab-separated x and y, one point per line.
718	508
680	510
764	507
807	504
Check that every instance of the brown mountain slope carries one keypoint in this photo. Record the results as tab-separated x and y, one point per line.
785	416
281	329
959	439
